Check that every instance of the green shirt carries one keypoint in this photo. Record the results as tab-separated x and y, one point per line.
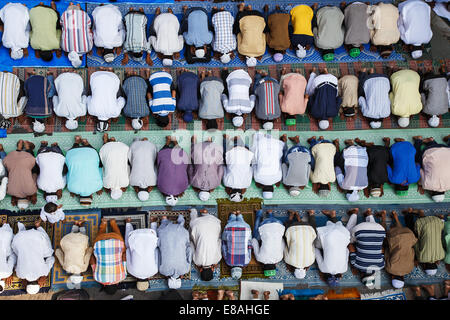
429	248
44	35
447	241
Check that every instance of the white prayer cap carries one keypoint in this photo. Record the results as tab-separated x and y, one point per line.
238	121
403	122
75	59
200	53
167	62
225	58
416	54
431	272
76	278
38	127
137	124
171	200
142	285
109	57
116	194
433	121
236	272
324	124
2	286
300	273
32	288
294	191
71	124
268	125
102	126
438	197
300	52
174	283
375	192
397	284
375	124
52	198
251	61
352	196
204	195
22	204
143	195
16	53
267	194
236	197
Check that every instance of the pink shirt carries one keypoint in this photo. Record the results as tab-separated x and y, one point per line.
293	87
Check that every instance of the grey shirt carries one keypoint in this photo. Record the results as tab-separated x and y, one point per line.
267	103
356	18
296	174
435	97
211	89
329	33
206	169
142	155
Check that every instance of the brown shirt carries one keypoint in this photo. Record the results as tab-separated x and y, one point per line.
21	182
399	254
278	36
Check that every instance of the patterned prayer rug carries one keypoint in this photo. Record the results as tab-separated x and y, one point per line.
261	286
92	218
397	294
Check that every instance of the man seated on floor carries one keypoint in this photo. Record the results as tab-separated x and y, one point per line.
7	257
206	242
142	253
109	258
35	259
74	252
174	250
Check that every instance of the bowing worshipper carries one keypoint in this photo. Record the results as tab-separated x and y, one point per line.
267	106
22	174
428	230
236	244
7	256
109	258
165	36
205	171
162	98
447	243
114	160
383	28
356	30
175	251
136	91
205	242
374	102
109	31
348	91
433	160
104	102
405	96
15	25
210	107
236	98
84	175
249	27
414	24
399	249
377	172
350	166
329	31
70	100
366	247
3	174
224	42
171	163
277	31
39	91
292	85
238	173
299	251
188	94
295	166
435	95
74	252
197	34
34	253
268	243
324	101
331	249
402	167
52	171
142	160
45	34
136	43
302	19
322	165
142	252
77	38
12	99
267	156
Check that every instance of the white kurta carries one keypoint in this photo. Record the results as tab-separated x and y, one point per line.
238	170
272	244
16	33
268	152
205	235
114	157
7	256
51	165
109	31
69	102
167	40
414	22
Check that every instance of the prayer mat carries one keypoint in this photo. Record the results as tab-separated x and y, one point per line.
261	286
92	218
343	294
396	294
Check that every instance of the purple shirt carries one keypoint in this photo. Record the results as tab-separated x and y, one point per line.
172	171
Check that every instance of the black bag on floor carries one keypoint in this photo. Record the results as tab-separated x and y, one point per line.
72	294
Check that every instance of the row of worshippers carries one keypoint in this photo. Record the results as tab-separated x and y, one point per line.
377	96
170	248
360	165
327	28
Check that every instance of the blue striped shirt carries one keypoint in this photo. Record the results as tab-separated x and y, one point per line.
162	101
368	256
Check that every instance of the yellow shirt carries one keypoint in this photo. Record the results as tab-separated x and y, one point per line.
405	96
301	17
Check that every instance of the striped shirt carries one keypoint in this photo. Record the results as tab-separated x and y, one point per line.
236	244
374	102
429	247
135	89
76	31
162	101
238	102
267	106
369	238
109	268
136	38
299	251
351	168
224	39
9	92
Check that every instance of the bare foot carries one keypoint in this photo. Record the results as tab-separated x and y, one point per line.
353	211
255	294
266	295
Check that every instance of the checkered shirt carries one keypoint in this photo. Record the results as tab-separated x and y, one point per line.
236	244
110	269
224	39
